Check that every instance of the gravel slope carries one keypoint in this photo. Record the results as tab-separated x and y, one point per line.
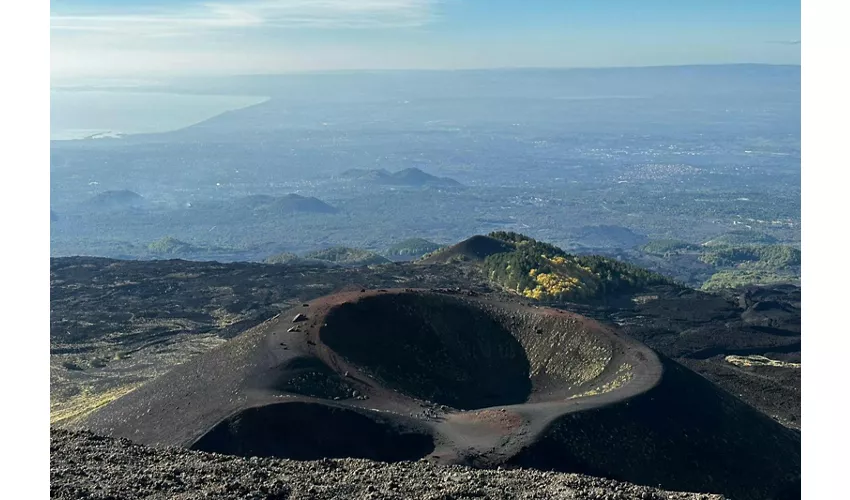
83	465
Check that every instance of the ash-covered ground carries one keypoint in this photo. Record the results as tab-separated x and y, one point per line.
86	466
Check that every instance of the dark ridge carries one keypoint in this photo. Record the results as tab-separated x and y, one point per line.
308	431
476	248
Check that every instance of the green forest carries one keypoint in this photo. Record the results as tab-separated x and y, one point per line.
545	272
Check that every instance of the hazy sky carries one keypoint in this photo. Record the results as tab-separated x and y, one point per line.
156	38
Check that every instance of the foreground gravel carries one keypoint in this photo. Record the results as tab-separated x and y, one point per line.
83	465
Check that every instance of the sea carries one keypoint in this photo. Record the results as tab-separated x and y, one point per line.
79	114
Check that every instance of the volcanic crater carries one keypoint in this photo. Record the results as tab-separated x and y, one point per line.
453	377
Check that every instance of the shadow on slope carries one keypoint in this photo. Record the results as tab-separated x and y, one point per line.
280	430
683	433
431	348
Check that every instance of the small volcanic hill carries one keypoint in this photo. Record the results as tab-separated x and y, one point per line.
116	200
286	204
346	256
169	245
742	237
410	177
541	271
476	248
333	256
456	378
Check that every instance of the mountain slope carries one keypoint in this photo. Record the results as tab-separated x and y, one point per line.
409	177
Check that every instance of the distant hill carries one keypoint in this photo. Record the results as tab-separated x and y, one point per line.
742	237
769	256
285	204
291	259
347	256
282	258
751	264
719	264
744	276
116	200
411	248
172	246
666	247
410	177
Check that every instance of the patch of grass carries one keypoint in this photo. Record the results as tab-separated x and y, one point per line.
223	319
623	376
76	407
756	360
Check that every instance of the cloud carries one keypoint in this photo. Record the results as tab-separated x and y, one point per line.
787	42
202	17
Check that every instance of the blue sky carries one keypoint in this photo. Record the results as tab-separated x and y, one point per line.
144	38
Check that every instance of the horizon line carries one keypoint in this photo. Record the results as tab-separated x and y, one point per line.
164	79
